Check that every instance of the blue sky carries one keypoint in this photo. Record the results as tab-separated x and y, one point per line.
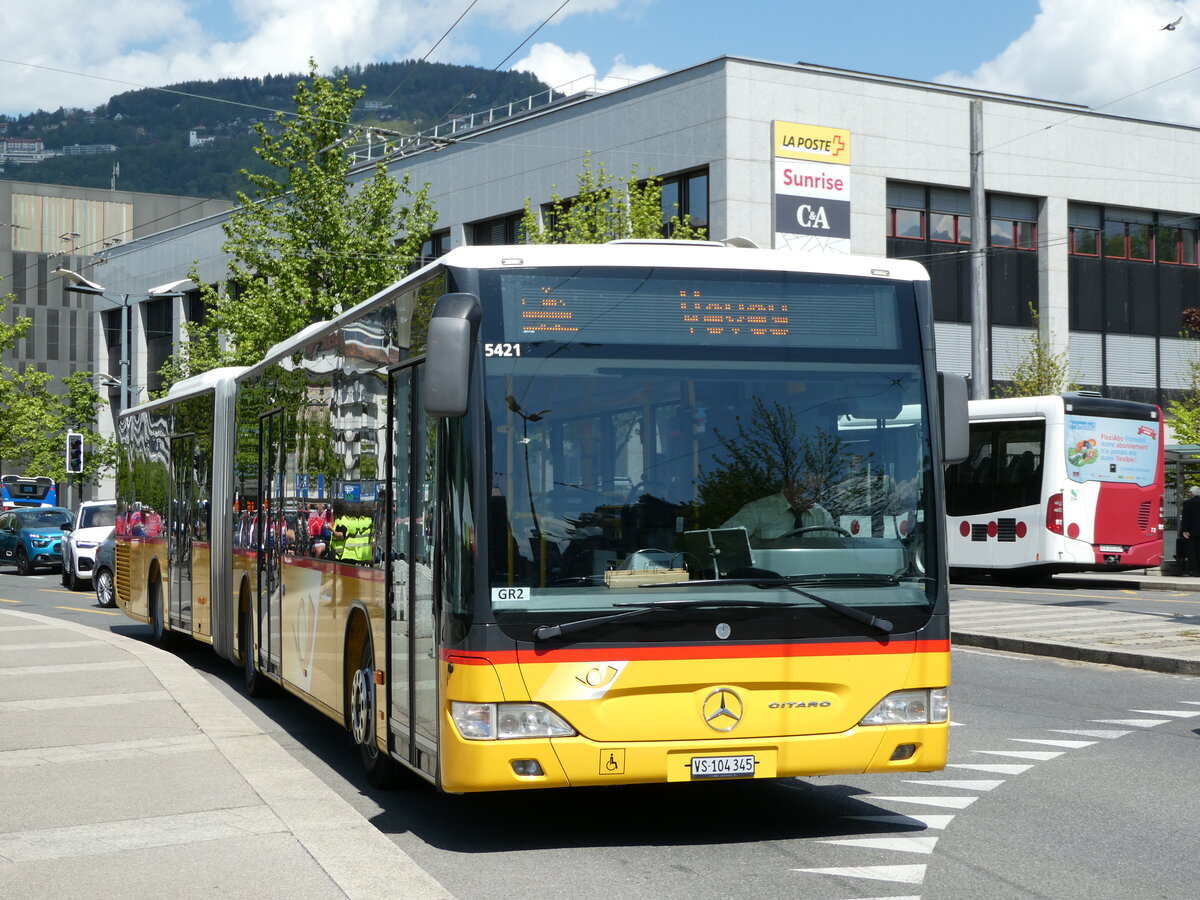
1086	51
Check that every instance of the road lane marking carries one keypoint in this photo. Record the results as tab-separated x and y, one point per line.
99	612
6	600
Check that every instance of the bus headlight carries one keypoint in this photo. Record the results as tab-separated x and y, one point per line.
502	721
909	707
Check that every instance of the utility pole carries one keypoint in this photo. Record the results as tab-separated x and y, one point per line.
981	369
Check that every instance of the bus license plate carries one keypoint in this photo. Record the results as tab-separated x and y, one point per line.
1111	548
722	766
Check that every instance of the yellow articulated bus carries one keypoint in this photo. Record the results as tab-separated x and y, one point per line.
543	516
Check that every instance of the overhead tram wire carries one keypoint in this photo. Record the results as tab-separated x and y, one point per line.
1094	109
417	64
513	53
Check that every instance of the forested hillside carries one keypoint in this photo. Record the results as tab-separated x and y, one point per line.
151	128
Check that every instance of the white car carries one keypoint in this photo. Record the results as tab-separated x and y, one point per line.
94	521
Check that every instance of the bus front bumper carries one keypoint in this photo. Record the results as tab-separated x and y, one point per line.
470	766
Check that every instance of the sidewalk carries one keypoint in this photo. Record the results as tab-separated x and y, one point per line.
1167	642
123	773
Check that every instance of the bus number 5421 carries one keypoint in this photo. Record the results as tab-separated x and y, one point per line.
502	350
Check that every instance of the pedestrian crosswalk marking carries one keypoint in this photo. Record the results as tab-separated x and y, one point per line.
1039	755
1136	723
966	785
1070	745
996	768
902	874
1106	733
948	802
928	820
1174	713
901	844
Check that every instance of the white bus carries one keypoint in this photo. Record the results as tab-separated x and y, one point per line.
1058	484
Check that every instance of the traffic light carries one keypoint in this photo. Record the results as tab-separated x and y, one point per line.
74	453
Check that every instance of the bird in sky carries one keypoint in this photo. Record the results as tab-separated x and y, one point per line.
1170	26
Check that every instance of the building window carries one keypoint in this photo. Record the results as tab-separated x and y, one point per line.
949	228
52	336
685	195
1175	245
1129	235
1085	241
1141	241
437	244
907	223
502	230
1013	234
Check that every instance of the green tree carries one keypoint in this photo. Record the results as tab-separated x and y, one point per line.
27	405
606	208
308	243
34	419
1040	371
76	410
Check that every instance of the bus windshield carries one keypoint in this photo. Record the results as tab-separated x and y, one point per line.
624	457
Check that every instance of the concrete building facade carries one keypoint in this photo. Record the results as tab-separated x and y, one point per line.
1092	220
48	227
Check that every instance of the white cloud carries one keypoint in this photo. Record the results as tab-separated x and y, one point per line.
570	72
622	73
1114	57
80	53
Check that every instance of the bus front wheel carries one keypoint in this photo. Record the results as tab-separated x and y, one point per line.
382	770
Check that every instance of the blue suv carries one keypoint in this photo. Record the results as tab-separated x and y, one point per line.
32	537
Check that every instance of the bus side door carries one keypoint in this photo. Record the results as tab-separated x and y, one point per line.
413	635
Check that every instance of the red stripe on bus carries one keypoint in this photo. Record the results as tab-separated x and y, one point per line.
724	651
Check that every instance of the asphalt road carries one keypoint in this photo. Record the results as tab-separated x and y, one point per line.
1066	780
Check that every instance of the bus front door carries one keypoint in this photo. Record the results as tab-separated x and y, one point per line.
413	632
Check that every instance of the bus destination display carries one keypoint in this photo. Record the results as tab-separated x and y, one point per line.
686	311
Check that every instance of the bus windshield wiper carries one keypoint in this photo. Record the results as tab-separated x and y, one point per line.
639	608
825	579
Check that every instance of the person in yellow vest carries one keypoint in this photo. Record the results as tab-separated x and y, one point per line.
352	539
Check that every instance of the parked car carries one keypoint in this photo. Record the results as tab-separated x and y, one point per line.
33	537
102	572
94	521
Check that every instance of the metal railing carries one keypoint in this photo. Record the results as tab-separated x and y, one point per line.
380	142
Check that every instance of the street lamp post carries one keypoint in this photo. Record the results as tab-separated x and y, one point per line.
81	285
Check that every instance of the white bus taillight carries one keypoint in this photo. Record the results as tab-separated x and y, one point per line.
1054	514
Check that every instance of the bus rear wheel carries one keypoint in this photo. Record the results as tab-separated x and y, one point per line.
382	771
257	684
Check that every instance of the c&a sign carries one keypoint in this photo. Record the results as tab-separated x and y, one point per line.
812	187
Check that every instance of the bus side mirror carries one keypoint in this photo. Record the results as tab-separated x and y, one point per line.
452	331
956	439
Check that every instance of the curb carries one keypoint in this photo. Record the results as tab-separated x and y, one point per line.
1101	655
